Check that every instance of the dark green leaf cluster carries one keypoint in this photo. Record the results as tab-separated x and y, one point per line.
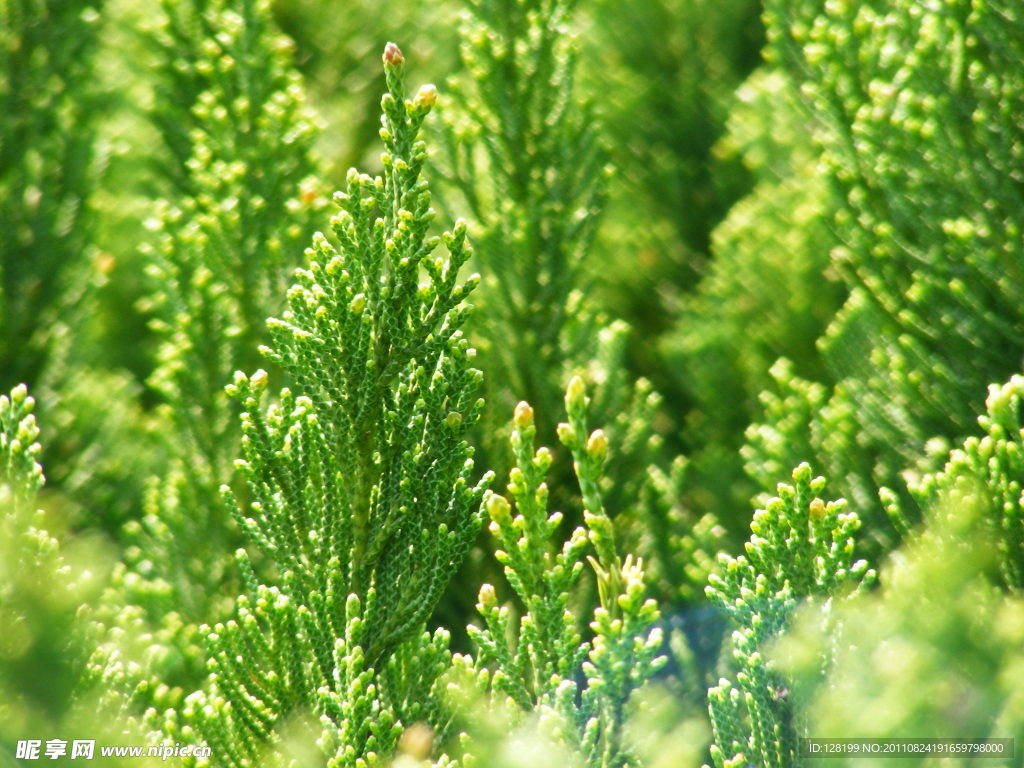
53	163
55	145
670	69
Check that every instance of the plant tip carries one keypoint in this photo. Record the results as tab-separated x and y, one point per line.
426	97
393	57
523	416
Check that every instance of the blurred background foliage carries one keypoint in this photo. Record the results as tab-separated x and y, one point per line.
806	248
674	65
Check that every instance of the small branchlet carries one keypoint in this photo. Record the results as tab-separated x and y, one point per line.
800	549
985	474
21	476
536	663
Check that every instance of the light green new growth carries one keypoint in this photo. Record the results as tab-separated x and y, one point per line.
44	635
790	424
358	477
801	549
21	477
33	580
986	474
936	648
537	664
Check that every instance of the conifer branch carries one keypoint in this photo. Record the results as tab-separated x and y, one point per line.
536	664
359	474
800	550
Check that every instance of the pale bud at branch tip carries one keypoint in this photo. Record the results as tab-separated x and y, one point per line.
567	435
523	415
817	509
498	508
487	595
393	57
575	395
425	97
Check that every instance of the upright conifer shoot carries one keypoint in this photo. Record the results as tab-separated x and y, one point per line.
359	475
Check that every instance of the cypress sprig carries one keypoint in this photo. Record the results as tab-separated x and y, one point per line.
45	592
359	476
549	648
20	473
984	474
524	153
223	252
219	265
535	663
801	549
224	244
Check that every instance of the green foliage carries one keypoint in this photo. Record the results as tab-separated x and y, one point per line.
985	476
801	550
224	81
217	269
100	446
536	665
934	652
221	262
919	110
766	294
852	304
789	424
33	610
49	167
359	478
53	159
526	157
